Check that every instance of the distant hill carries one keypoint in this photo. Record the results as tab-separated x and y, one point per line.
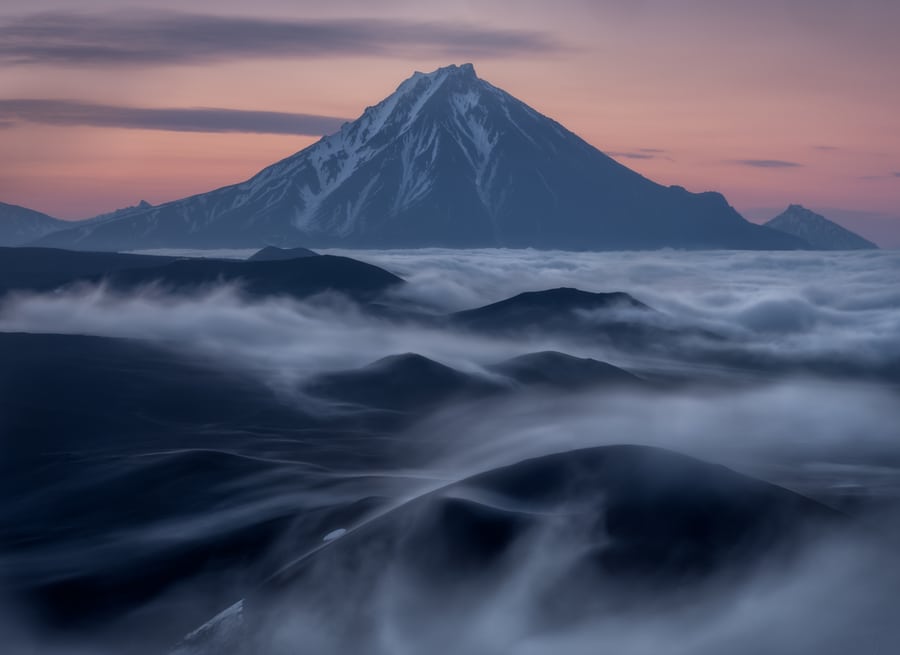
819	232
20	225
46	269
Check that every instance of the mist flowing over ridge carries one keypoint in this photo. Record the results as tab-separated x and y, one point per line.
447	160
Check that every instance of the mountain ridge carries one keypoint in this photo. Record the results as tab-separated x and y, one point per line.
20	225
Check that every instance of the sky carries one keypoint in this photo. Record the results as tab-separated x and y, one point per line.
107	102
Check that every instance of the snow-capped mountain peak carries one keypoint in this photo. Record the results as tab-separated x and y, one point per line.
412	125
446	160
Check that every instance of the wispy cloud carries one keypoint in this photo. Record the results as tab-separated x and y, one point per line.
145	38
631	155
195	119
767	163
825	148
889	176
639	153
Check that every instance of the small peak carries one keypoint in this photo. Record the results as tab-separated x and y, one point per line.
462	70
793	207
143	204
420	80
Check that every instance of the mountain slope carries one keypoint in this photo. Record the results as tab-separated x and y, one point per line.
447	160
818	231
19	225
638	526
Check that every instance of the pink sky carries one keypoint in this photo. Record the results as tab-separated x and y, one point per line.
768	102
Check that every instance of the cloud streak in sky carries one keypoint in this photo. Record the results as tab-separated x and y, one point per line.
631	155
767	163
145	38
640	153
193	119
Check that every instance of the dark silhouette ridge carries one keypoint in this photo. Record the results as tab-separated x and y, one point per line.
299	278
47	269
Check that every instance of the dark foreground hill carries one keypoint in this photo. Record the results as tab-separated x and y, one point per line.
633	524
45	269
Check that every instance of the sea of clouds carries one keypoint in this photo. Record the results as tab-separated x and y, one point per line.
836	438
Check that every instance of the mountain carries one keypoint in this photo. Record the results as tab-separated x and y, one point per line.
447	160
19	225
818	231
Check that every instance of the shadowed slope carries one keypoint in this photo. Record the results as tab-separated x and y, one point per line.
631	524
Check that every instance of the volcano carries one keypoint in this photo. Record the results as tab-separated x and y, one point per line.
447	160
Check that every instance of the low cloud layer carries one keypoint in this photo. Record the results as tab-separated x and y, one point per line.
150	38
631	155
800	306
194	119
640	153
832	439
